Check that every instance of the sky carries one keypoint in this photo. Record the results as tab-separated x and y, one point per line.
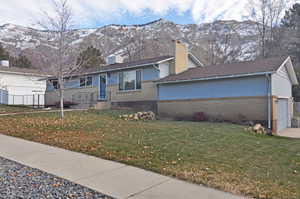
97	13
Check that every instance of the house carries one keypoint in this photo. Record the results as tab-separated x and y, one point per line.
118	84
21	86
258	90
179	86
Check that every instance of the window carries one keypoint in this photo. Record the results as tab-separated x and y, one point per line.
130	80
89	81
55	84
86	82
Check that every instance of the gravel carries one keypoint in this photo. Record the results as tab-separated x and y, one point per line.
21	182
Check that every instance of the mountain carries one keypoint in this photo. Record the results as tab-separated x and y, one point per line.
230	38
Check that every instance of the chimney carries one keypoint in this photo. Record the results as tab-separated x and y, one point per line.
114	59
181	58
4	63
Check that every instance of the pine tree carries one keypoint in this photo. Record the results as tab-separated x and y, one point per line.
91	57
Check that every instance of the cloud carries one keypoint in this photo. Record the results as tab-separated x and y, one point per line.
27	12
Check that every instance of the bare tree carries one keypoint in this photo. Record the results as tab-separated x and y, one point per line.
223	47
136	43
64	62
267	15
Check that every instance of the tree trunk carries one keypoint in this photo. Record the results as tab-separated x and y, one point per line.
61	95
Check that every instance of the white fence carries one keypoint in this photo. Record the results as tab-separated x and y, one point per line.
36	100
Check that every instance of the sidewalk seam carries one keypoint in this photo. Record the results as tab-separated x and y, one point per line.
144	190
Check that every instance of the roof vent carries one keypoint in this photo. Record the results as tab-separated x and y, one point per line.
4	63
114	59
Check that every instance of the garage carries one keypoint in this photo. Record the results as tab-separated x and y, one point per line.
284	120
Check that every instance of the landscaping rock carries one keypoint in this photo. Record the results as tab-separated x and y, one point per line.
140	116
19	181
258	129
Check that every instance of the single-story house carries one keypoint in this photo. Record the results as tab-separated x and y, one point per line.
130	84
258	90
180	86
21	86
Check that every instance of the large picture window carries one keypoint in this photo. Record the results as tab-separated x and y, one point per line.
130	80
86	82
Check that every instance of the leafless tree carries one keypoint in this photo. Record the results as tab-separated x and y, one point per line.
58	24
223	47
267	15
135	43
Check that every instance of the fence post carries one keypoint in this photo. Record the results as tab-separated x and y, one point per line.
38	100
13	100
33	100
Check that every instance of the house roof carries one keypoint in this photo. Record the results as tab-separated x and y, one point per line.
22	71
121	66
261	66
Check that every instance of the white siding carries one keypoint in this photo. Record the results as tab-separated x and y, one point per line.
164	69
22	87
281	84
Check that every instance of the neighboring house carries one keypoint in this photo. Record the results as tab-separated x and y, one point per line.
258	90
21	86
130	84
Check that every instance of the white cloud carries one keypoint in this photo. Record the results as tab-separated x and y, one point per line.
26	12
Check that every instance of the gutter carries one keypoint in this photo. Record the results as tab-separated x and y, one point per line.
218	77
269	78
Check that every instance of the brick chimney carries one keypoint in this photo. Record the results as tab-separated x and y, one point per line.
181	58
4	63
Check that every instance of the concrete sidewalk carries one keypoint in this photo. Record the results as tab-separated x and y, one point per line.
111	178
290	132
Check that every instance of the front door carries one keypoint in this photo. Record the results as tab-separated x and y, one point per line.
102	87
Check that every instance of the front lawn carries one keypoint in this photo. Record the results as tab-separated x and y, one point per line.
4	109
223	156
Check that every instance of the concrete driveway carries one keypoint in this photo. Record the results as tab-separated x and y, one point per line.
291	133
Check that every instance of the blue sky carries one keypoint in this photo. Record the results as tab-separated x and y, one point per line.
96	13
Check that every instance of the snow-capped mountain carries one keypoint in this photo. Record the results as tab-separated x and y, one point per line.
141	41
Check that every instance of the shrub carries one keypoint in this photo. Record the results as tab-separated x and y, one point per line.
200	117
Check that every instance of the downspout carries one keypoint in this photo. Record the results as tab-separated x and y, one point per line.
269	78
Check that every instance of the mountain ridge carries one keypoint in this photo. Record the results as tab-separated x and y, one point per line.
137	41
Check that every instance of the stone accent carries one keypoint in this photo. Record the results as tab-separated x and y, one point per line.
147	93
103	105
136	105
84	97
274	114
232	109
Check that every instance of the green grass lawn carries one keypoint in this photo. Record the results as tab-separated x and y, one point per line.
14	109
222	156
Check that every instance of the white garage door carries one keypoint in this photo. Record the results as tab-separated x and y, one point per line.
283	114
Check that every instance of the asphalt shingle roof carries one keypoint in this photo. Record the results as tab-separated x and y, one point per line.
223	70
22	70
120	66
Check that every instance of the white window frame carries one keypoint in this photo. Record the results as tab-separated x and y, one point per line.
135	85
85	82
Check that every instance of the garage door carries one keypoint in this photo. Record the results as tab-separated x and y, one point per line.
283	114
